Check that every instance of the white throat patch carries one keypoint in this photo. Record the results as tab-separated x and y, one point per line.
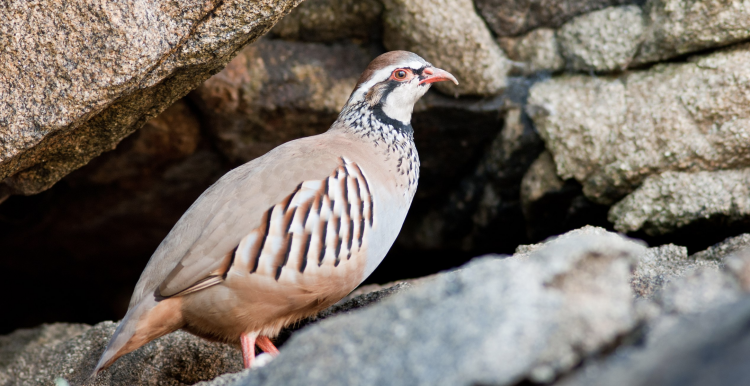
399	103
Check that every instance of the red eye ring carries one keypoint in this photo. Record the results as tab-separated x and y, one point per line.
400	74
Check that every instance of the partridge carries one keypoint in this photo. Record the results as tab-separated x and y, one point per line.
290	233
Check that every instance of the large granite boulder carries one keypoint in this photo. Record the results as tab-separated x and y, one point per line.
79	77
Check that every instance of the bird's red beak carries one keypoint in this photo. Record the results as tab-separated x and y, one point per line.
437	75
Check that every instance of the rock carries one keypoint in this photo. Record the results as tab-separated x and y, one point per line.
29	338
612	133
40	355
698	319
330	20
77	79
101	223
451	36
672	200
704	349
515	17
540	180
721	250
676	27
275	91
738	263
602	41
536	316
175	359
552	206
660	265
538	50
699	290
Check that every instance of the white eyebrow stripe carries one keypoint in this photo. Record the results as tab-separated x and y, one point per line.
382	75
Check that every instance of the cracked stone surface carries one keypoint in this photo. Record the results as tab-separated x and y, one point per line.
611	133
75	79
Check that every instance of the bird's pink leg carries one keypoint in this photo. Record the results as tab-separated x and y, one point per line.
267	346
247	341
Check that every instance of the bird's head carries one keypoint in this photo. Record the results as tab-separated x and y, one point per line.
392	84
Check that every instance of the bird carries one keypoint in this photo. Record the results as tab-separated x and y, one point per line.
292	232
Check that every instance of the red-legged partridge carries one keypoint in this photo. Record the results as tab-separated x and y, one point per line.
288	234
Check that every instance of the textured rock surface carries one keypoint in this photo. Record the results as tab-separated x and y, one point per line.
705	349
329	20
451	36
40	355
538	50
696	337
660	265
602	41
535	316
676	27
611	133
515	17
724	248
276	91
674	199
76	79
176	359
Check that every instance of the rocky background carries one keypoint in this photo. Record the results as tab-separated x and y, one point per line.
633	116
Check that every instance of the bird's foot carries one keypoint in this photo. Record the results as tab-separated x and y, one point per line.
267	346
247	341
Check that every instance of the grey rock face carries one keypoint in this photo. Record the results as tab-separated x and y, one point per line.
451	36
605	40
612	133
275	91
676	27
674	199
729	246
705	349
535	317
515	17
538	50
660	265
696	337
175	359
77	78
329	20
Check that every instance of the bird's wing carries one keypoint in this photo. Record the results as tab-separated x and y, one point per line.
200	247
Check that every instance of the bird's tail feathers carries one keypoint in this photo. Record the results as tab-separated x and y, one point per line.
148	320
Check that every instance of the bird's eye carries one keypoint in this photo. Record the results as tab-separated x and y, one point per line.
399	74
